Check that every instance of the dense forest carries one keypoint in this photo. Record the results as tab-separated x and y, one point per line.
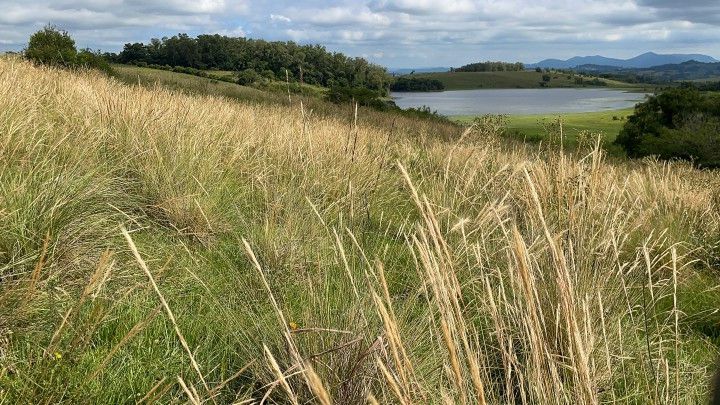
417	84
311	64
492	67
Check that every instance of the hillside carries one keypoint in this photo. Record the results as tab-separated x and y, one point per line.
646	60
507	80
175	246
312	99
691	70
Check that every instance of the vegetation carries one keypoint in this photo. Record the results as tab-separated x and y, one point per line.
492	67
663	74
171	247
372	111
311	64
51	46
540	128
679	123
361	96
512	80
409	83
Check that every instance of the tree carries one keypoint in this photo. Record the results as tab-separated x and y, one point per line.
680	123
311	64
490	66
134	53
51	46
247	77
417	84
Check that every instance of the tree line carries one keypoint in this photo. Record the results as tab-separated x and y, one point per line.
417	84
311	64
491	67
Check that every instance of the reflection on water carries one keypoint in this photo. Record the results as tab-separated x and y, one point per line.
519	101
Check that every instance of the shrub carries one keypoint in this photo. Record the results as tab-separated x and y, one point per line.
93	60
248	76
51	46
680	123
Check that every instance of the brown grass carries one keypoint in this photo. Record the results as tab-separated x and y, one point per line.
296	269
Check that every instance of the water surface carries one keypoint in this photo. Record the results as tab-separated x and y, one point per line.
520	101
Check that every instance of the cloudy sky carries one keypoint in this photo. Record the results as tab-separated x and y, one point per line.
394	33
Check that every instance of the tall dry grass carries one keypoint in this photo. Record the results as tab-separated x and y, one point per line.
275	257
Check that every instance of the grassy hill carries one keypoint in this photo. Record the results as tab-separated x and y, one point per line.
507	80
275	94
173	246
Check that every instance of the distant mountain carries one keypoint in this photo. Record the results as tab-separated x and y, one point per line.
405	71
645	60
685	71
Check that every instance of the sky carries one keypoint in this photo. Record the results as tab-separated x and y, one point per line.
393	33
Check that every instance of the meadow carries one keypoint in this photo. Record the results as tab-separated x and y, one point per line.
511	80
535	128
167	245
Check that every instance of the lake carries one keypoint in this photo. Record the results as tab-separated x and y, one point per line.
520	101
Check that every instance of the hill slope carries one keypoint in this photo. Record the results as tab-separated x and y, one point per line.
273	254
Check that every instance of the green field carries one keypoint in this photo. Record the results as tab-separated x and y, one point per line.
191	84
508	80
535	127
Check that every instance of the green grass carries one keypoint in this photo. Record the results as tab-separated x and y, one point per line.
402	257
275	94
508	80
225	73
193	84
535	127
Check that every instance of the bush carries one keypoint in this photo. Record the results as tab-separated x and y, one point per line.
360	95
248	76
51	46
93	60
680	123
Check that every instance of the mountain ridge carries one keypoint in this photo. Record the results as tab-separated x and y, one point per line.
645	60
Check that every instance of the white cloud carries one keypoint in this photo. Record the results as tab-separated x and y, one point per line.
400	32
280	18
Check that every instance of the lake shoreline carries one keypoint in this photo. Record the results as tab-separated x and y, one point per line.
520	101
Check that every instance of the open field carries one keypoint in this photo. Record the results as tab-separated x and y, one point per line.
181	246
535	128
194	84
508	80
225	73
